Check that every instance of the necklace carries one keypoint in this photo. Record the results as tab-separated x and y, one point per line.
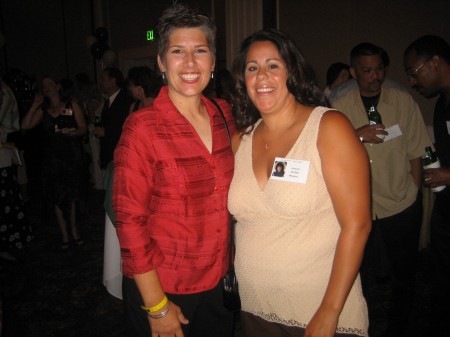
268	144
374	104
369	103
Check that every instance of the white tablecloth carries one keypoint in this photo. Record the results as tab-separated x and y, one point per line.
112	262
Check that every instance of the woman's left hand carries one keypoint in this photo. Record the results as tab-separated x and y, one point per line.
323	324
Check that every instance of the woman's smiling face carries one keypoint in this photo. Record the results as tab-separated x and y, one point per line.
265	77
188	62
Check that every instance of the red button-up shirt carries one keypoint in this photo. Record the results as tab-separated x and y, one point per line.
170	196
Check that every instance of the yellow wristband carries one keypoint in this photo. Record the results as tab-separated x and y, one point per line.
157	307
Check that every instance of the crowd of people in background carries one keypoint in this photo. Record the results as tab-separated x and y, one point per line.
69	160
328	205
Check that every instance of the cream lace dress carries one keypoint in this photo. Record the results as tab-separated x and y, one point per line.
286	238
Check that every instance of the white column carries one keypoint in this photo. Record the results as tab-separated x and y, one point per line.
243	18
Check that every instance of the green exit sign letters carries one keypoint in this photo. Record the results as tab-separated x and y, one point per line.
150	35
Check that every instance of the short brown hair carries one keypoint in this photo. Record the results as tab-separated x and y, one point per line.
183	16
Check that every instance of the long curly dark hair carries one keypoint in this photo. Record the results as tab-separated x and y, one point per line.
301	81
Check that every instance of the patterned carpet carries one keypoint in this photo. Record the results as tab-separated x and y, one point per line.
54	293
60	293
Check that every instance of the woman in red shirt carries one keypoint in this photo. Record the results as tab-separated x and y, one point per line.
173	167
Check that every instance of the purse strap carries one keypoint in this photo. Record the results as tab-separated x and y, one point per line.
223	117
231	219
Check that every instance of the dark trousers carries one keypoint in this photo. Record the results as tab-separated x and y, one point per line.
388	270
205	311
254	326
440	259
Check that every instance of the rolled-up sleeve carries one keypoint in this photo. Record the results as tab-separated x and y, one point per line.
131	196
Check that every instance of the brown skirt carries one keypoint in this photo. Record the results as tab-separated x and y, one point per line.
254	326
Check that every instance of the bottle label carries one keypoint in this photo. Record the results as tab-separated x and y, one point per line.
436	164
438	188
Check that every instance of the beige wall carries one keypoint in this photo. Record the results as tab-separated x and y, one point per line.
326	30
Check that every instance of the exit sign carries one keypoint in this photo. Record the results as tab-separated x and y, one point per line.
150	35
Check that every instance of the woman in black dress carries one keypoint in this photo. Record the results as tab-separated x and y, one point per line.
63	170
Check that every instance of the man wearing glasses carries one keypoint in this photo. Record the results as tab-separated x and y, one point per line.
395	147
427	65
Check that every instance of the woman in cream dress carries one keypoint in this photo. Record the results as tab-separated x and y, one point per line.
299	238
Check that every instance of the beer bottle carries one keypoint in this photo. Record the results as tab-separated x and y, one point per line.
374	116
432	161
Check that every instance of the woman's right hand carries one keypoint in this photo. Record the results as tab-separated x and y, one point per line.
169	325
38	100
34	115
323	324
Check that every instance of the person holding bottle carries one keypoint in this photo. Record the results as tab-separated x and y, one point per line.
114	112
396	175
431	161
427	66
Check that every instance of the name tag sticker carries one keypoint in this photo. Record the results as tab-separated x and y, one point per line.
292	170
67	112
393	132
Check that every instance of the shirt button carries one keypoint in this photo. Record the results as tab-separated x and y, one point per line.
216	188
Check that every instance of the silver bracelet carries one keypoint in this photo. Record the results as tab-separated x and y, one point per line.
161	314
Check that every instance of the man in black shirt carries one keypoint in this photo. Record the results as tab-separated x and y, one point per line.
427	65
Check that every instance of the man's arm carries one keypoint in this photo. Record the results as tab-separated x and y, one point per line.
416	170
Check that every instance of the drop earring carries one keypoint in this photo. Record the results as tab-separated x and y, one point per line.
212	74
163	75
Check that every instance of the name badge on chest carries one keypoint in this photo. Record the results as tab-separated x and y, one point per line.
292	170
66	112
